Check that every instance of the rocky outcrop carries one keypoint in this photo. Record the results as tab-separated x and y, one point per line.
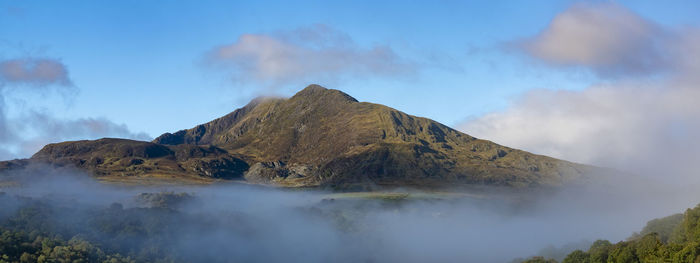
226	167
279	173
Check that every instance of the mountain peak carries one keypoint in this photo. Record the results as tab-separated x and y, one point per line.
317	92
319	137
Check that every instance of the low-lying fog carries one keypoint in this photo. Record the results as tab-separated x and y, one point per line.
237	222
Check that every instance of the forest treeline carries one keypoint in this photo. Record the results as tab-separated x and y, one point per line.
674	238
45	230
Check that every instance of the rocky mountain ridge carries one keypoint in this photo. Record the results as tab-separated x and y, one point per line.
317	138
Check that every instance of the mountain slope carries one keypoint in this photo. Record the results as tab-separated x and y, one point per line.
324	137
128	158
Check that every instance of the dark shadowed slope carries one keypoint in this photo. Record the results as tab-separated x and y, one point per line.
132	161
319	137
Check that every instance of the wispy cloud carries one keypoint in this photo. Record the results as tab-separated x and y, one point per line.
632	122
304	55
45	128
36	71
28	131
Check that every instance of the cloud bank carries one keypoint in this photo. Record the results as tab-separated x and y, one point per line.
645	125
246	223
26	133
305	55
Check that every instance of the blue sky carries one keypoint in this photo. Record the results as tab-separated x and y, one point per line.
144	63
134	60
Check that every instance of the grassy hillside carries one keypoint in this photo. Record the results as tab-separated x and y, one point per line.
325	137
127	158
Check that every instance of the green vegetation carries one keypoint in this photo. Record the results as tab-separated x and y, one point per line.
162	227
674	238
19	246
664	227
46	230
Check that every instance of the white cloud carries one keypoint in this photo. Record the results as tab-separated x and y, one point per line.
644	129
305	55
45	129
605	37
648	126
26	133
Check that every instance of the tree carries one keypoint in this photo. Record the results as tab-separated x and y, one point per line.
577	256
599	251
539	260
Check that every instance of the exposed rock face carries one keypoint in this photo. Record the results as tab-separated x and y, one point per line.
321	137
279	173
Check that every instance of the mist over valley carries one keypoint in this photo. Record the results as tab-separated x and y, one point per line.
385	131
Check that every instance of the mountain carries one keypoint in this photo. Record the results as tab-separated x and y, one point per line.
317	138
